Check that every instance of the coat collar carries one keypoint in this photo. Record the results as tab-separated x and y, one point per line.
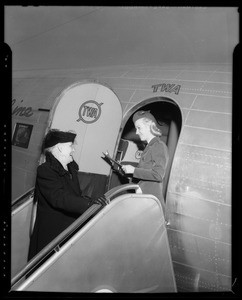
154	140
57	166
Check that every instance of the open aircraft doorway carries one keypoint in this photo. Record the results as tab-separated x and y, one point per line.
169	119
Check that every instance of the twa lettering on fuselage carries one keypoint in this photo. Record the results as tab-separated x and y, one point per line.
90	111
166	87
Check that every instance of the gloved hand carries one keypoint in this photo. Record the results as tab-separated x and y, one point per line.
101	200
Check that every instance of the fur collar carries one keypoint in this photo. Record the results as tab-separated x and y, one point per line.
57	166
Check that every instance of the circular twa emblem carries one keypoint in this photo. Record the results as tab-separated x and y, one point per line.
138	154
90	111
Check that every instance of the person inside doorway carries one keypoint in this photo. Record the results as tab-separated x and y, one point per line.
152	165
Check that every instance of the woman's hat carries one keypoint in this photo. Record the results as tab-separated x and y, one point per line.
143	114
55	136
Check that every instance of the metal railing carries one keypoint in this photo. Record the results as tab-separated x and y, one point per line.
18	201
53	244
68	231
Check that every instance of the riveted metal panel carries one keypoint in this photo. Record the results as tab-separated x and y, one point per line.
206	138
189	279
210	120
213	103
198	211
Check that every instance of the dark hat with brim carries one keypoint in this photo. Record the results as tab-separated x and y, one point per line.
143	114
55	136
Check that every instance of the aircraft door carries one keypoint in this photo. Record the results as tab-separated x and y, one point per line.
94	112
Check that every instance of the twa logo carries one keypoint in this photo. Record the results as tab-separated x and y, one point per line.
90	111
138	154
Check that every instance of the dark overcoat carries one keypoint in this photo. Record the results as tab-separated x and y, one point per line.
152	168
59	201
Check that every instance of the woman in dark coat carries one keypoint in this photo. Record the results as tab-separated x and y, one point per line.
153	162
59	198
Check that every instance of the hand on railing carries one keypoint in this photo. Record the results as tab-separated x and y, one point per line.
100	200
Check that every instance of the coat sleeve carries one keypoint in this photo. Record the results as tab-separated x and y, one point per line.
154	170
56	194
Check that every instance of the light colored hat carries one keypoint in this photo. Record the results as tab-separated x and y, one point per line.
143	114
